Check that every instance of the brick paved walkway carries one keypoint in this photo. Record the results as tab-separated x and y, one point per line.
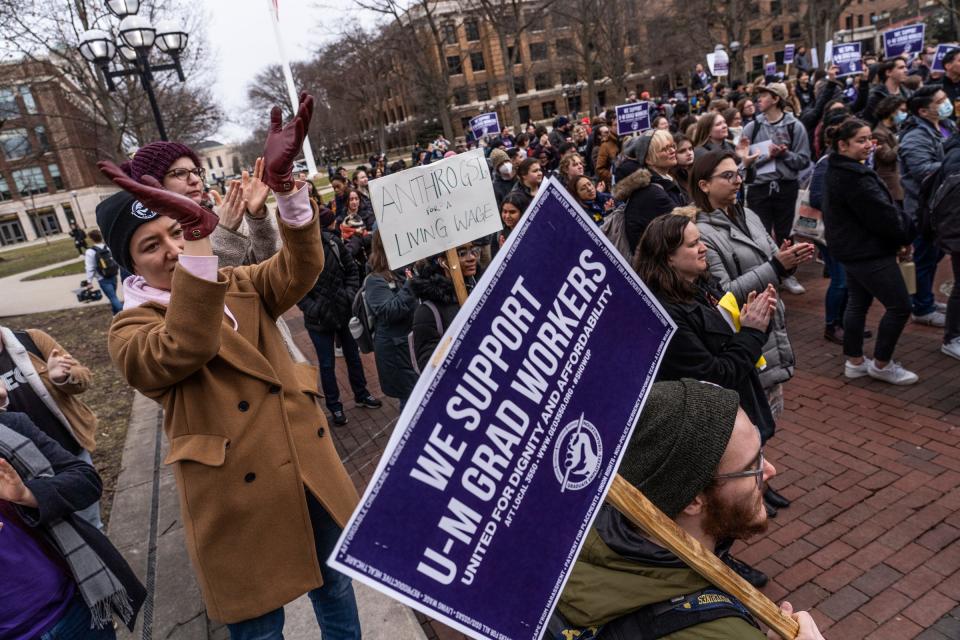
871	544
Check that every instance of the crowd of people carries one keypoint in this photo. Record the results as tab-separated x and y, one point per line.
716	206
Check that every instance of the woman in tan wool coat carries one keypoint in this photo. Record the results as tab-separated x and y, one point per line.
263	494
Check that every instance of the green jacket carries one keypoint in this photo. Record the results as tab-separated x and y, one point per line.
606	585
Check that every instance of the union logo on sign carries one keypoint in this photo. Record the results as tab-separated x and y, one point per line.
577	455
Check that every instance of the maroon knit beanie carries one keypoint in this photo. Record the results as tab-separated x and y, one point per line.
155	159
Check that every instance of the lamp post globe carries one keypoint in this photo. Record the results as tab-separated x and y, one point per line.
97	46
136	32
123	8
171	39
127	53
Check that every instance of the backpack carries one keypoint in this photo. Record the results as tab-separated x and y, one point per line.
27	341
943	213
439	322
104	264
656	620
361	324
615	228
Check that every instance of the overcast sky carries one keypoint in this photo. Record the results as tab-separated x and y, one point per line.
241	39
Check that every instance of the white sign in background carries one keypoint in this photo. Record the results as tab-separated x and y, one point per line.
426	210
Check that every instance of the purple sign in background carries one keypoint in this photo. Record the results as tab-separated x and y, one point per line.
789	51
506	449
938	56
770	69
633	118
485	124
903	40
847	58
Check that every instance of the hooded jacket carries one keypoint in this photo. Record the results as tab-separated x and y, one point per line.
329	305
921	152
743	262
432	284
647	194
793	161
619	571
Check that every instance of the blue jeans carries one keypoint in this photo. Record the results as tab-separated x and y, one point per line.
334	604
323	344
75	625
926	255
109	288
835	301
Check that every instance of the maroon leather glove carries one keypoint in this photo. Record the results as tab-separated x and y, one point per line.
196	221
284	144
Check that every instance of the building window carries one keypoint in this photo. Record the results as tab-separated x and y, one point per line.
757	63
775	8
42	139
778	57
756	37
568	76
541	81
454	65
55	176
450	33
510	51
538	50
28	101
564	47
860	20
4	189
29	181
219	162
209	162
778	33
520	85
534	22
476	61
8	104
45	222
68	213
524	113
460	96
561	21
483	92
15	144
795	32
472	28
848	22
549	109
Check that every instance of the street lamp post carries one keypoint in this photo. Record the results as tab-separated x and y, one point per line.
76	202
134	39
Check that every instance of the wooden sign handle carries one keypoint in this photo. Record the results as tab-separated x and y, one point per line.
644	514
453	264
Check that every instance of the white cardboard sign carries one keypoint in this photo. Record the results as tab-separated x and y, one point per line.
426	210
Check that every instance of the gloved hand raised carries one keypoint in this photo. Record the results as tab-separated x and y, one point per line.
284	143
197	221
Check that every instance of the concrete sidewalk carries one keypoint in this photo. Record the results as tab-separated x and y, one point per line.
21	297
145	525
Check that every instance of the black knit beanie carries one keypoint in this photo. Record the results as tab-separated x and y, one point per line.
118	217
678	441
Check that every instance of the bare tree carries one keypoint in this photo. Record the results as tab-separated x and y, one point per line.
822	17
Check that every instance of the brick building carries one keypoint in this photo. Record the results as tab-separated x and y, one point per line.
48	174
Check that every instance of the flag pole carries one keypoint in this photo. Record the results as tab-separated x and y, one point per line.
291	88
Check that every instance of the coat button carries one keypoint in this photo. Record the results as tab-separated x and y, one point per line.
274	388
243	406
320	432
250	477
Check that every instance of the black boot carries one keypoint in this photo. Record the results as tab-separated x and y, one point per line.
773	498
745	571
771	510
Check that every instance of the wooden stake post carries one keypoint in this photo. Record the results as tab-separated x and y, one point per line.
641	512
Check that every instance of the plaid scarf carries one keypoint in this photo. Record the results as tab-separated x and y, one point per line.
101	590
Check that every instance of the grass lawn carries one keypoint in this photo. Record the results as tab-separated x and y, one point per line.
66	270
23	259
83	333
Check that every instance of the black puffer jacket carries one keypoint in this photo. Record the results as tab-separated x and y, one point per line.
861	218
433	284
647	195
328	306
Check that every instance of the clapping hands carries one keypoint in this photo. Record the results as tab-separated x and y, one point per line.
793	255
759	309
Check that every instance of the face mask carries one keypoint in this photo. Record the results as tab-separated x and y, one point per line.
899	117
945	109
506	170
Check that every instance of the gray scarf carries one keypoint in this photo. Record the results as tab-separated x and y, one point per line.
101	590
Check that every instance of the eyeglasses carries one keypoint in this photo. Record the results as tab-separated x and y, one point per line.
473	251
182	174
669	148
757	472
732	177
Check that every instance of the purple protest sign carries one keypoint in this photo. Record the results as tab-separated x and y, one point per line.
789	51
941	51
633	118
906	40
770	69
513	434
847	57
485	124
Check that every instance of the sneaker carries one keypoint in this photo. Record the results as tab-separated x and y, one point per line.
893	373
932	319
745	571
339	417
369	402
941	306
792	285
338	352
952	348
851	370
